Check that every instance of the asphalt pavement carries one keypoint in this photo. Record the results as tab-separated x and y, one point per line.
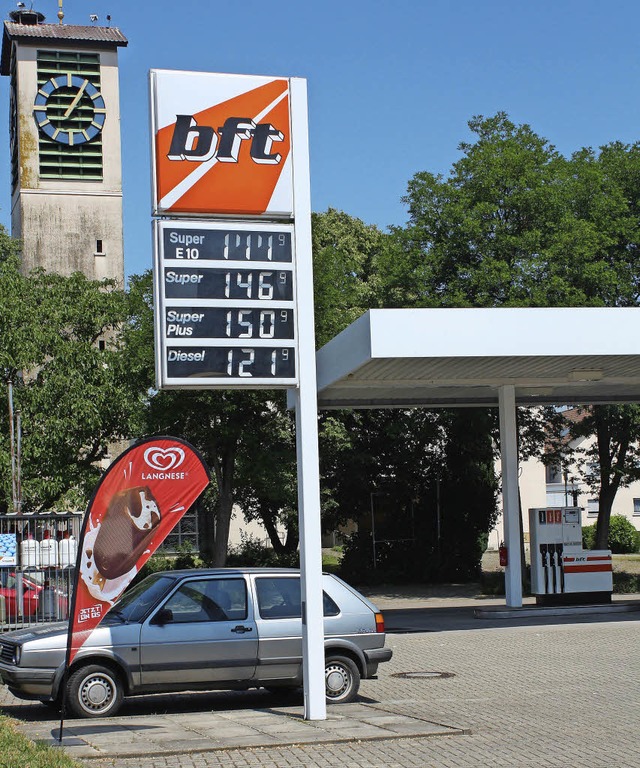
527	690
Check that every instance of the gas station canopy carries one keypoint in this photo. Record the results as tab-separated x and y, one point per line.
461	357
485	357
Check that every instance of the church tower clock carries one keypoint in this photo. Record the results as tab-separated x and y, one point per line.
66	174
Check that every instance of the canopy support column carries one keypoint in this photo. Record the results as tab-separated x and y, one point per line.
510	500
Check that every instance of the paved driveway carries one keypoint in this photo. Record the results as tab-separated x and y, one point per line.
561	694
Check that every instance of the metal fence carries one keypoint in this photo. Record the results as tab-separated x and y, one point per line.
37	565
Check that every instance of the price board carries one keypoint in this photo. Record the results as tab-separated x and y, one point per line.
225	300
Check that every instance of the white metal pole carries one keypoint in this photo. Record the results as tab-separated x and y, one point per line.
510	503
306	402
12	443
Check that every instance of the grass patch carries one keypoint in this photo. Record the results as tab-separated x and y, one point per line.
331	559
17	751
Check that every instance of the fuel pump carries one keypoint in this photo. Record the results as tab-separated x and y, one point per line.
561	571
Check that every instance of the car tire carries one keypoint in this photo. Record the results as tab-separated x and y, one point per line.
342	679
94	691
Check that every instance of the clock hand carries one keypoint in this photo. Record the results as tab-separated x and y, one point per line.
77	98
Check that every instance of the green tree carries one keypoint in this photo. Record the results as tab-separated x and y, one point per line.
517	224
480	236
60	348
345	254
267	488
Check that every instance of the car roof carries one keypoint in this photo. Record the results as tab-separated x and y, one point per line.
231	571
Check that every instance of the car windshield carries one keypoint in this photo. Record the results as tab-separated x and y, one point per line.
138	600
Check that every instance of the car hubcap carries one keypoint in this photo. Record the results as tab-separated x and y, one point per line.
337	681
97	693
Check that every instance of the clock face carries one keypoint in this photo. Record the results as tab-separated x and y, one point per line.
69	110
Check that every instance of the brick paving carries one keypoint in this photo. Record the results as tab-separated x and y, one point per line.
558	695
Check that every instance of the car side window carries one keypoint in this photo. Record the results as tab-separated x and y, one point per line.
208	600
279	598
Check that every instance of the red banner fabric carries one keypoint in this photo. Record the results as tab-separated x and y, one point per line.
136	504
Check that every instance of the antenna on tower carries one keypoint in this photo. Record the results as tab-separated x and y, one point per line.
60	12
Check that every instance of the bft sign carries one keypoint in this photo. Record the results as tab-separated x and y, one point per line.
222	145
233	271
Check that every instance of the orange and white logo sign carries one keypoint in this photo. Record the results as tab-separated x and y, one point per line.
222	144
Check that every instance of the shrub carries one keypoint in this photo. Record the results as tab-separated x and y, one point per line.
251	552
161	561
404	562
626	583
622	535
588	537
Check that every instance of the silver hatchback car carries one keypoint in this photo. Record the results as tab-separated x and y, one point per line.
198	630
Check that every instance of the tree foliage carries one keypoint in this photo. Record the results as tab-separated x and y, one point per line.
346	278
517	224
60	348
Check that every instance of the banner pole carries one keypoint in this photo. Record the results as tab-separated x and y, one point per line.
72	613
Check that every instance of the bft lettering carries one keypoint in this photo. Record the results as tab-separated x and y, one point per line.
199	143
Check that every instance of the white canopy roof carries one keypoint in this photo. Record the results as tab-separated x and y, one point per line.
439	357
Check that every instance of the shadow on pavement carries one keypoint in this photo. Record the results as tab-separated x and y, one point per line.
162	704
448	619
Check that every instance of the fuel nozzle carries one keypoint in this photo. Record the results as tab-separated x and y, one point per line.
543	556
559	551
552	565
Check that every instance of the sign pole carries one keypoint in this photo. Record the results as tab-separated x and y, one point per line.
306	402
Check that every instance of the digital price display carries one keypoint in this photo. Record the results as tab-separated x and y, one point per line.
213	323
236	284
223	363
227	244
225	304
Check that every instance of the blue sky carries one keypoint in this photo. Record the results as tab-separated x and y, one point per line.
391	84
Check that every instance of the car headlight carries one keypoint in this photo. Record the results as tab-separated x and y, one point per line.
17	655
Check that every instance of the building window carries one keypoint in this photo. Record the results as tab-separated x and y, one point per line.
185	536
553	474
99	248
593	506
636	506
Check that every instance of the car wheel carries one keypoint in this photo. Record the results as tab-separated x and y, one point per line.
342	679
94	691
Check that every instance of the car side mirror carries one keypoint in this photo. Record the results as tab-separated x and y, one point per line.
164	616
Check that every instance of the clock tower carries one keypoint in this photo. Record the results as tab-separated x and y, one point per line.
66	174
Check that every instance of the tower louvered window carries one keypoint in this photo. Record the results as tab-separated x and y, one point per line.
82	161
13	124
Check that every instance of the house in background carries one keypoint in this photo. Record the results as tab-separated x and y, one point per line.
551	485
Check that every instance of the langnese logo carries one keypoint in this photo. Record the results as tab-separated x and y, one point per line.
164	462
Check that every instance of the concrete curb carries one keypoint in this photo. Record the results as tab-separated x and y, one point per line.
503	612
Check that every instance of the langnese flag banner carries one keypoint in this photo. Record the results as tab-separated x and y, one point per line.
138	501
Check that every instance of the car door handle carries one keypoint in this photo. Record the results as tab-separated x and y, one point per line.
240	629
